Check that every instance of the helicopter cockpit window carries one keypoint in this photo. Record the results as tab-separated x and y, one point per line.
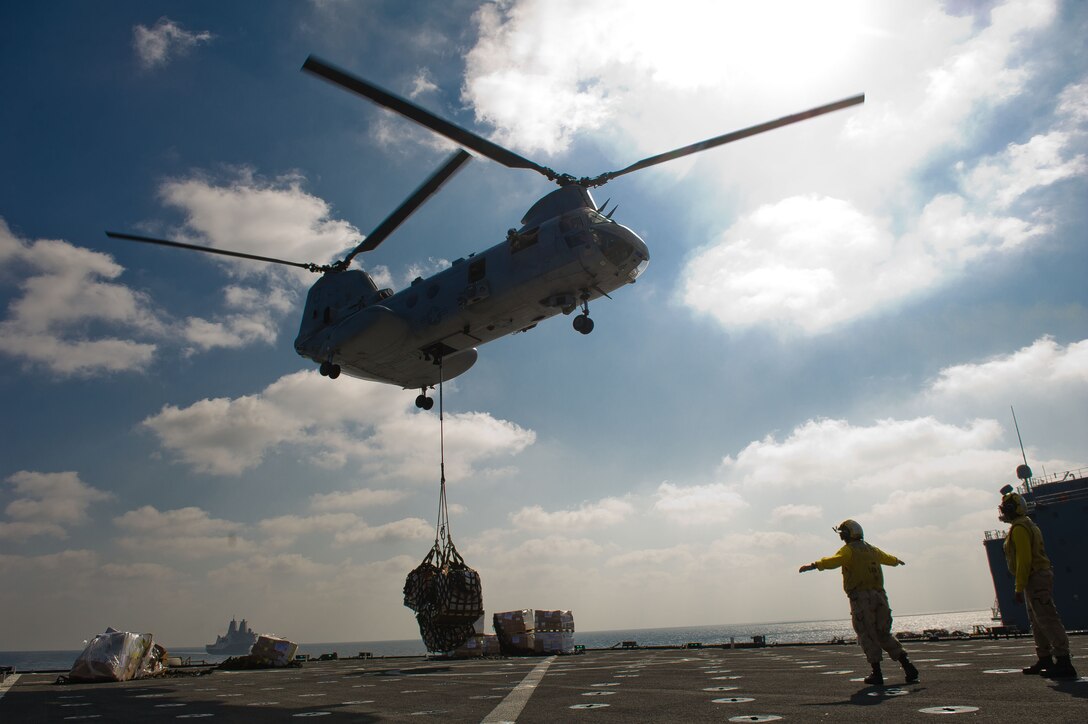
616	250
573	228
598	218
518	242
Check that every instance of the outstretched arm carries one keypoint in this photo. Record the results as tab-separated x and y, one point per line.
809	567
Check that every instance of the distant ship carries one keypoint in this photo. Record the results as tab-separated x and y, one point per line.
1059	506
238	641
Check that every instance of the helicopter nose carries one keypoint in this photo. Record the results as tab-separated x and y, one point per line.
623	248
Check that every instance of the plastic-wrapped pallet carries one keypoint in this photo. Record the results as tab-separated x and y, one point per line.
553	642
553	632
273	650
118	656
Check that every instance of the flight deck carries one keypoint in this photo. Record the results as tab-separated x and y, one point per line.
977	678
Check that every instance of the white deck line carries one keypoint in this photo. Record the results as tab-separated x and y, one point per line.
8	683
509	708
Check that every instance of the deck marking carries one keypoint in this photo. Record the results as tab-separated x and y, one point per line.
949	710
509	708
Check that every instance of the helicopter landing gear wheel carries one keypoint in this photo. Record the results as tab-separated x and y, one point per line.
424	403
583	323
330	370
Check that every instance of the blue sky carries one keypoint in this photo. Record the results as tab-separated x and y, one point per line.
835	322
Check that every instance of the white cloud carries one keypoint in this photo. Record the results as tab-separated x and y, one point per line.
399	530
285	529
791	511
369	423
422	84
138	571
1043	365
699	504
68	292
266	217
189	547
190	521
185	533
47	503
74	319
22	530
932	501
547	551
817	244
652	61
354	499
609	511
257	569
1004	178
155	46
255	318
833	454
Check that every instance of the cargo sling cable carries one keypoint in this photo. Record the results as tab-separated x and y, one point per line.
443	591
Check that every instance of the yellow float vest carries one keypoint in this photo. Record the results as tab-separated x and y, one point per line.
1035	553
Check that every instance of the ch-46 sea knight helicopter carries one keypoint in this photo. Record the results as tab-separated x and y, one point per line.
567	252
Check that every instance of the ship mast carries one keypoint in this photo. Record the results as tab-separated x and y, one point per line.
1022	471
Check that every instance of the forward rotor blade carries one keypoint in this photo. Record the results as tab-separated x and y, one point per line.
413	202
458	135
730	137
211	250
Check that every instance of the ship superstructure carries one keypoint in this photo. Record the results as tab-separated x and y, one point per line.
238	641
1059	506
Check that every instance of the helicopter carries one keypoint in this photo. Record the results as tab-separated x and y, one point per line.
567	252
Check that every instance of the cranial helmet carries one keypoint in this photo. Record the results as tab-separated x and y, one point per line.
849	530
1012	506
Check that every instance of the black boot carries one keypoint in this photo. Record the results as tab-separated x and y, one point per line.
1042	666
877	677
1061	670
909	669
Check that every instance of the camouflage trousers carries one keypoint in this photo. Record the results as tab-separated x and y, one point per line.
872	619
1046	625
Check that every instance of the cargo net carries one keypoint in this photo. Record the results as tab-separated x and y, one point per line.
443	591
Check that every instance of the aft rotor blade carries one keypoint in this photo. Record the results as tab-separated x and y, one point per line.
212	250
458	135
413	202
730	137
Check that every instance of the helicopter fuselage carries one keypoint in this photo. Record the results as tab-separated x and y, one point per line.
553	264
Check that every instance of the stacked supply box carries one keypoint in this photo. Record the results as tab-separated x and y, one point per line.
514	631
553	632
528	631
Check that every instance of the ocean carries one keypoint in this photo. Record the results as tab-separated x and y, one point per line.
781	632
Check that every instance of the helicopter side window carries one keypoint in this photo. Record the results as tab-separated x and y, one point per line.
476	270
520	242
432	291
412	299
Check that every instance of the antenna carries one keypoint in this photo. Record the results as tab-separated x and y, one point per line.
1022	471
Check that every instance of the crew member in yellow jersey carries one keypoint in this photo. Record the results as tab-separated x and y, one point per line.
1028	562
863	580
